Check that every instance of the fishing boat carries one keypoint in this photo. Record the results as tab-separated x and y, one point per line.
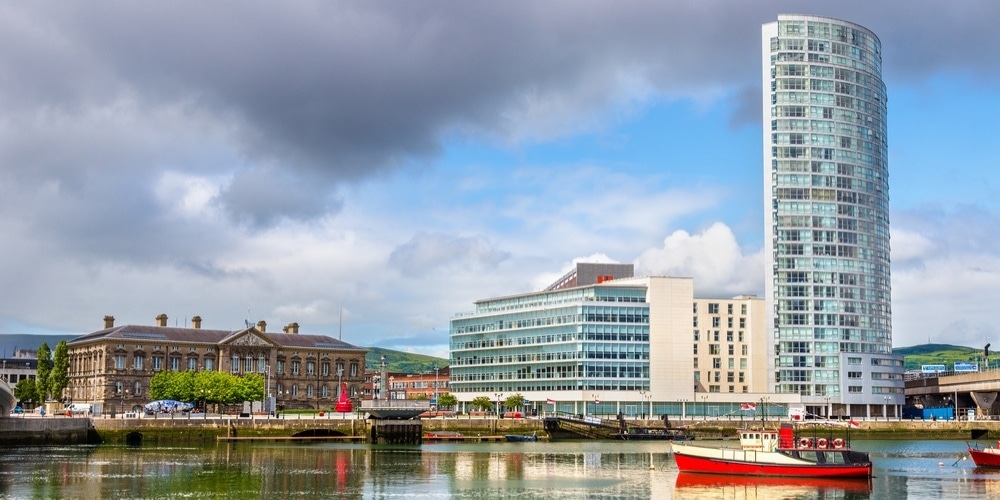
521	438
770	452
988	456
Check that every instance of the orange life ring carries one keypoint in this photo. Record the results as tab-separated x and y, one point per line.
821	443
804	443
838	443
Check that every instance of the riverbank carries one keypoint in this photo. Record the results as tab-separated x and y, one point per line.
194	429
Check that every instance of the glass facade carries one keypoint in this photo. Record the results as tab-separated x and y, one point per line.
826	201
581	339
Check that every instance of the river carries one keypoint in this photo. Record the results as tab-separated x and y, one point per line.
544	470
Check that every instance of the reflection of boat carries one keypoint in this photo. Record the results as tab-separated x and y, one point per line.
520	438
985	457
768	452
782	486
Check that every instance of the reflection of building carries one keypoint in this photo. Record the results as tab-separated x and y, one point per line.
115	365
826	212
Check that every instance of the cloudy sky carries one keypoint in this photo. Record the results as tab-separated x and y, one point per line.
370	169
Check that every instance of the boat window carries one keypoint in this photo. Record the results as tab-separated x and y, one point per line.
808	455
836	457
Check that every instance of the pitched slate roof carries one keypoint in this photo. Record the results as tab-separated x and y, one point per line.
205	336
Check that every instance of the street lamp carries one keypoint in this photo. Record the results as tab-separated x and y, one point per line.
436	405
704	407
828	412
382	381
499	397
597	401
649	402
885	408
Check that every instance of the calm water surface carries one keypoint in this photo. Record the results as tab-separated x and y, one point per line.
558	470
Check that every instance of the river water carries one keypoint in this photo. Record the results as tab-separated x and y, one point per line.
549	470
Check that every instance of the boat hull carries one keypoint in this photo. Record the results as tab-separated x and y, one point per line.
517	438
773	464
984	458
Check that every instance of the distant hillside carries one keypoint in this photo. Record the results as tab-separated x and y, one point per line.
937	354
402	362
11	341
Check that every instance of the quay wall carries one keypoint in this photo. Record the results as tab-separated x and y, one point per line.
51	430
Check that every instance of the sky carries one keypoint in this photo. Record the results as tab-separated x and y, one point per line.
371	169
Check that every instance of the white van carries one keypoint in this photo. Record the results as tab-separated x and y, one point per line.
78	408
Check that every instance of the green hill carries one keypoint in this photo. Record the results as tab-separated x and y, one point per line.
937	354
402	362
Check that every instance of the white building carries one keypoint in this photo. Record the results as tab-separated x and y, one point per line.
826	207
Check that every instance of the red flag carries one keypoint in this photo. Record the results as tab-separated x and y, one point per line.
855	425
550	401
748	406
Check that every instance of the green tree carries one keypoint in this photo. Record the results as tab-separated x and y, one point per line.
447	400
514	401
42	373
482	403
25	391
59	376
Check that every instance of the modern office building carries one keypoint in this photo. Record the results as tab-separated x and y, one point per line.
826	206
602	341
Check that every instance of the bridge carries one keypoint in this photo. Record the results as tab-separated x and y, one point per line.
966	393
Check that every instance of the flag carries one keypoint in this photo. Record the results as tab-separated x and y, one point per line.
855	425
748	406
550	401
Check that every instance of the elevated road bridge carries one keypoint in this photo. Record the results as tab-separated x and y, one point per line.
967	393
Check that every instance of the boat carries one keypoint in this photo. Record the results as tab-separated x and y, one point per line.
988	456
521	438
443	435
640	434
770	452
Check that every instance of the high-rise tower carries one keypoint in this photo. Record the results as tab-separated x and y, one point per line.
827	216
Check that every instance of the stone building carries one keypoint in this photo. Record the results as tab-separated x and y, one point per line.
114	365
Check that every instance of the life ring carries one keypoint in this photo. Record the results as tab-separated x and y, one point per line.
838	443
804	443
821	443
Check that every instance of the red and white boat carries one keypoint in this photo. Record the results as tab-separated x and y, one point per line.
985	457
769	452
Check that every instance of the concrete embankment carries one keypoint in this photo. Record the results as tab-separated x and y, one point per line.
182	429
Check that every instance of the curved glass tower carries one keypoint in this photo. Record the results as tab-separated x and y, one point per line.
827	214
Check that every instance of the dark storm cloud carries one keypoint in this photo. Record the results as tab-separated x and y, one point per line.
334	92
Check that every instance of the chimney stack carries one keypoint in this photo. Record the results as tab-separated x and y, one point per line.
161	320
196	322
262	326
109	321
293	327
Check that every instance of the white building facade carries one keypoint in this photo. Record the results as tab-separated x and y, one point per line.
600	341
825	159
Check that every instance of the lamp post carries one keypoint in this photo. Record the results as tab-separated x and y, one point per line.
885	408
121	408
649	402
597	401
704	407
828	412
436	405
499	397
382	382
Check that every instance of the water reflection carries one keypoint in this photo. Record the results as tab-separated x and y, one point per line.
710	486
549	470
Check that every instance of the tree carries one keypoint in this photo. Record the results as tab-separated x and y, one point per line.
59	376
514	401
447	400
42	373
25	391
482	403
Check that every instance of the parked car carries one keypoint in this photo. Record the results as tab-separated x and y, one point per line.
79	408
17	410
167	406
